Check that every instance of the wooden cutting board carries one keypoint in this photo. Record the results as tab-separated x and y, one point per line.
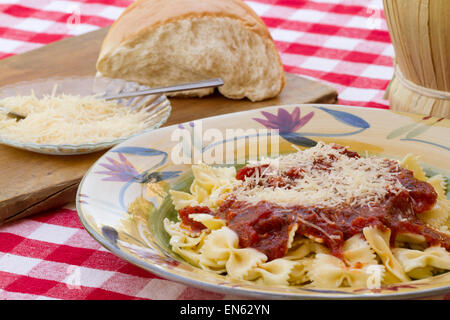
32	182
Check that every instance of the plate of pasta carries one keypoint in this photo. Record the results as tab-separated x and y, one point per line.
284	202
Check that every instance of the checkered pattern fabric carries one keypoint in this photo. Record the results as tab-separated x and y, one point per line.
344	43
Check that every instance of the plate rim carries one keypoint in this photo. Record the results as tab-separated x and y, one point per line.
242	291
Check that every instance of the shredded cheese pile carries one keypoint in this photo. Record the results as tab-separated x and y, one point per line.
68	119
328	178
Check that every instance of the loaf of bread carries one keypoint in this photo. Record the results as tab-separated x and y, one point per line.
166	42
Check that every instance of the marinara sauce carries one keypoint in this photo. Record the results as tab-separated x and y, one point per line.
265	226
188	222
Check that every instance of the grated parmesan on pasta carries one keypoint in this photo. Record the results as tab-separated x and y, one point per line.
344	180
68	119
332	176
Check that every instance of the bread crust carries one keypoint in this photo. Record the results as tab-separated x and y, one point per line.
143	16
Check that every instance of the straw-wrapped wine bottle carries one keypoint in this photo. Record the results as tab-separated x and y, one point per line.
420	33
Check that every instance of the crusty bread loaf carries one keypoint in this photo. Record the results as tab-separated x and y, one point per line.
164	42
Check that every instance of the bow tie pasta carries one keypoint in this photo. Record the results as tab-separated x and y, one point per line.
362	230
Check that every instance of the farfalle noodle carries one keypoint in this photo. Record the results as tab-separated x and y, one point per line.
368	259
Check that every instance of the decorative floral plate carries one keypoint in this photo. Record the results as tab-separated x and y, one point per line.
135	176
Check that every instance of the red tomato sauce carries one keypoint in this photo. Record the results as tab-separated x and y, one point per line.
265	226
188	222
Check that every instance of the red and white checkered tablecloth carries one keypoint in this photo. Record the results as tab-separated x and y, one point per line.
344	43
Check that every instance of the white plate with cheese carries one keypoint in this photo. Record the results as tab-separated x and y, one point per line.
67	116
